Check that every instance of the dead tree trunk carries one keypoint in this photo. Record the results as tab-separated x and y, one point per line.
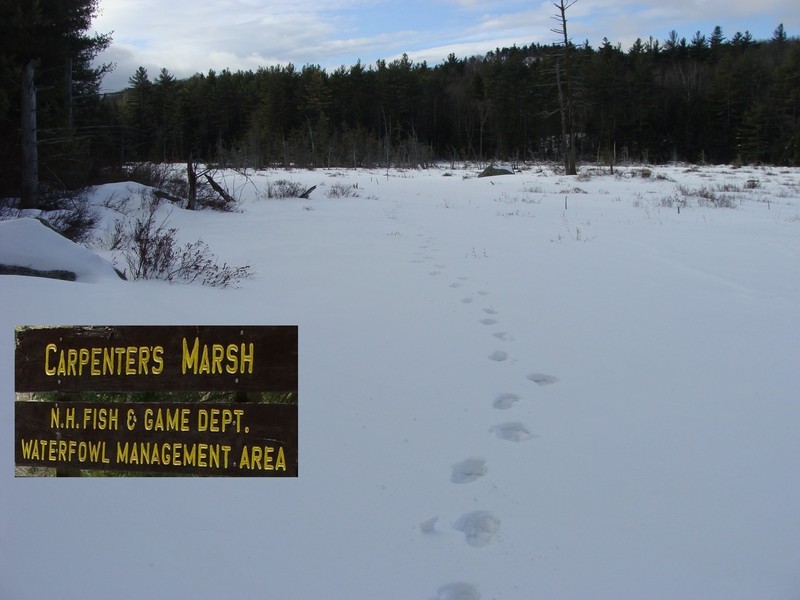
565	93
220	190
30	150
191	178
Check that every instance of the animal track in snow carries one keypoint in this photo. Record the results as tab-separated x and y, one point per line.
457	591
467	300
479	527
435	273
498	356
490	311
542	379
455	285
513	432
483	293
502	335
488	321
468	470
429	525
505	401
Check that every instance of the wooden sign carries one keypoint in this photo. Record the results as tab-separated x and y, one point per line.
202	438
131	358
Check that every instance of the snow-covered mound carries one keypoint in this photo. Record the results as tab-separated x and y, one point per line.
30	244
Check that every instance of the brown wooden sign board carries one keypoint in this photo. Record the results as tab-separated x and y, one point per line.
199	438
232	439
174	358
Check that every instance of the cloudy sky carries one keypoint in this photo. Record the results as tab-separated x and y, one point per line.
190	36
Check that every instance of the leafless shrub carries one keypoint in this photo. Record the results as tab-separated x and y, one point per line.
341	190
77	225
752	184
151	251
283	188
159	176
72	216
673	200
708	197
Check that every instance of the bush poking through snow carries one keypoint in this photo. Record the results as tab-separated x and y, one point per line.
159	176
71	216
340	190
151	251
75	222
708	197
283	188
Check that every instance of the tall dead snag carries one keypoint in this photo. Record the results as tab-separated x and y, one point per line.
191	178
565	94
30	150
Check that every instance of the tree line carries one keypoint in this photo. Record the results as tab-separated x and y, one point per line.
709	99
705	100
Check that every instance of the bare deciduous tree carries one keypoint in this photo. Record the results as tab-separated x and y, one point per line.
565	94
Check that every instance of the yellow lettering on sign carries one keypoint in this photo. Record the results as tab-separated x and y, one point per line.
102	418
211	456
219	420
166	419
72	362
96	353
100	361
205	359
247	358
48	370
130	360
144	357
64	451
108	360
189	360
158	360
256	457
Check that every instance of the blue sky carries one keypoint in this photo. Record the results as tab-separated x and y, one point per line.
187	36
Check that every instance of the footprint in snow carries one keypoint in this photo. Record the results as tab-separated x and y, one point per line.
506	401
466	300
457	591
435	273
455	285
490	311
483	293
428	526
468	470
542	379
488	321
513	432
502	335
479	527
498	356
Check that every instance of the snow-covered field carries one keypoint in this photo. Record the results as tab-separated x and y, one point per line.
516	387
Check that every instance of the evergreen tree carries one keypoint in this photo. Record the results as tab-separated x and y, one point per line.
47	45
